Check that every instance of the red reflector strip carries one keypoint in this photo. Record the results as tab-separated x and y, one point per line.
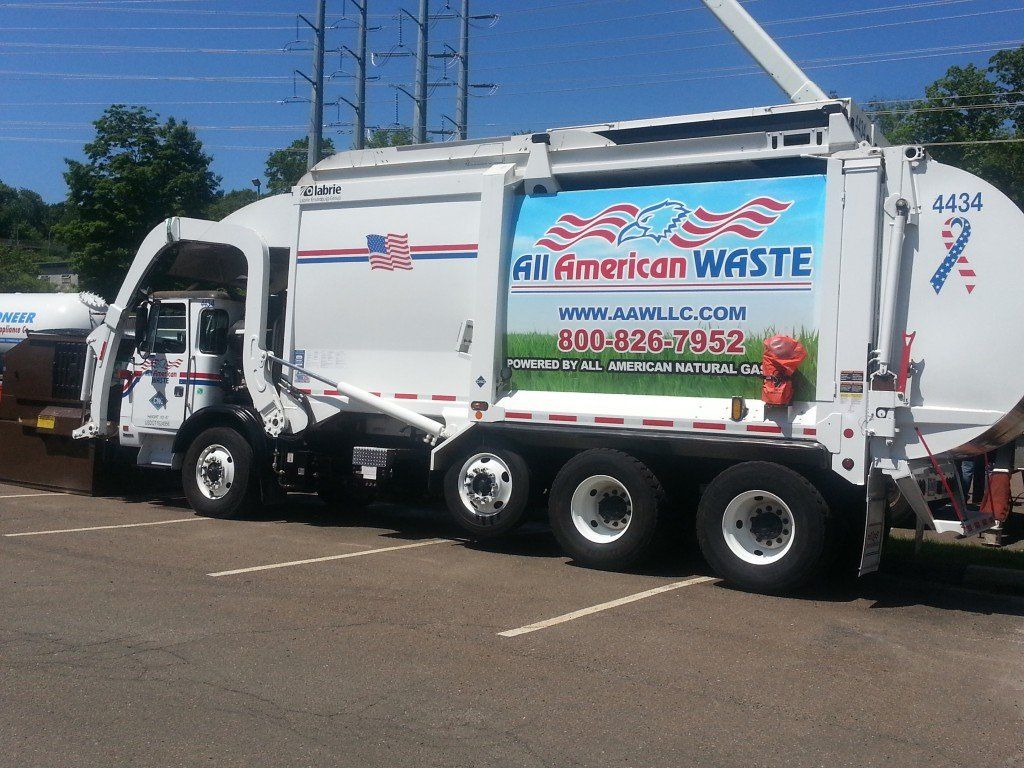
331	392
771	428
609	420
659	423
406	396
810	431
518	415
375	394
708	425
561	417
443	398
968	273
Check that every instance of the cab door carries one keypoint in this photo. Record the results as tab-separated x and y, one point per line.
203	377
153	394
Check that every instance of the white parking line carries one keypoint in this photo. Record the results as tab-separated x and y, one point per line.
108	527
328	557
30	495
604	606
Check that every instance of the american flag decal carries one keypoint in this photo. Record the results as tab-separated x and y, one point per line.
389	252
669	220
749	221
570	228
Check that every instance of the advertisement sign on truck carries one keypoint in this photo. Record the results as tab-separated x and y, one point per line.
664	290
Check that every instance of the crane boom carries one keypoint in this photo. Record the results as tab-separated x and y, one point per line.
759	44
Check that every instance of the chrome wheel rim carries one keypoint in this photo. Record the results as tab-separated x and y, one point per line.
215	471
485	484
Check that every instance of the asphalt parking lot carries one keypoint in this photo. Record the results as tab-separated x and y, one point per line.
137	634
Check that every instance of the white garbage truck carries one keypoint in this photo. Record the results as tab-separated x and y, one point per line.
765	324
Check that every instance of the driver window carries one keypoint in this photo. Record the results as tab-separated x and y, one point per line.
170	330
213	332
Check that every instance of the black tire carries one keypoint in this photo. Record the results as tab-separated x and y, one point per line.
489	520
646	499
795	562
242	497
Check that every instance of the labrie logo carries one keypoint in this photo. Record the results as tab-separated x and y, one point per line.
320	190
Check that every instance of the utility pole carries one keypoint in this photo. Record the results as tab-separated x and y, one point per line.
462	89
420	98
360	127
316	112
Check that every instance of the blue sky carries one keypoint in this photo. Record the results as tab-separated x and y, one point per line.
555	63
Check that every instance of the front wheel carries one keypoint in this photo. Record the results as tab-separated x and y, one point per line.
217	474
763	527
488	491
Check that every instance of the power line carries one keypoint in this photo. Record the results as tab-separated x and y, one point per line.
942	98
960	108
647	52
75	126
816	17
854	58
812	33
967	143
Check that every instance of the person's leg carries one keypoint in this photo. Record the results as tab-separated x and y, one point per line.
979	480
966	476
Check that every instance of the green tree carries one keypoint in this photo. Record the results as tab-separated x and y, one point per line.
389	137
137	172
227	203
19	271
23	215
286	166
970	117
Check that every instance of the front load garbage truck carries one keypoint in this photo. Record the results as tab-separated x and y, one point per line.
757	322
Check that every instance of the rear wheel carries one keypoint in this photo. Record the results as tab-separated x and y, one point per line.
217	474
488	491
763	527
604	508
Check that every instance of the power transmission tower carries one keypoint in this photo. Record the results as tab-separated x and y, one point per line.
419	123
462	86
316	111
360	56
419	94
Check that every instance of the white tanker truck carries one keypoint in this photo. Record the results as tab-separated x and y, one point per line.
766	317
22	313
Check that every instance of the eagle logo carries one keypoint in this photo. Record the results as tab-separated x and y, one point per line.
657	222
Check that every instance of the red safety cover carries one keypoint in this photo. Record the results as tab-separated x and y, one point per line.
782	357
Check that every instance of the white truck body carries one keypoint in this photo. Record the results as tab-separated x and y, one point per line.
584	310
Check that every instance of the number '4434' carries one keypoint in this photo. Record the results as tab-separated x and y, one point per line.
961	202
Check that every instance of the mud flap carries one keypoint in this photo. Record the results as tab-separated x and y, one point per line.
874	524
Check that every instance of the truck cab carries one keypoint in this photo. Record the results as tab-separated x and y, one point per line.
183	361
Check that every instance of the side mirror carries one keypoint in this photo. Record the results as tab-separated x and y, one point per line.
142	328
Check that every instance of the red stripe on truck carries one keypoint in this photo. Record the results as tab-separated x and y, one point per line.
708	425
609	420
406	396
771	428
518	415
444	398
659	423
561	417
